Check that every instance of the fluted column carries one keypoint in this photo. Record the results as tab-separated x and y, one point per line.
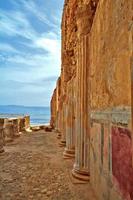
131	64
81	166
1	135
63	128
70	123
59	124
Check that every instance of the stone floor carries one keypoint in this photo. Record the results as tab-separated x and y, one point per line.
33	168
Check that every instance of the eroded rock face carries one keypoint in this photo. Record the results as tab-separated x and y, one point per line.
97	53
110	55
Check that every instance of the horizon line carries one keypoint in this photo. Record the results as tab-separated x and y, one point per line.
24	105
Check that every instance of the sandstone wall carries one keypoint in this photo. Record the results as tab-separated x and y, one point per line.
53	109
91	105
110	54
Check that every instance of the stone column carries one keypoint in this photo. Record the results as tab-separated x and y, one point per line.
1	135
63	128
9	130
56	123
58	107
16	127
82	151
27	122
70	122
57	104
21	124
59	124
131	63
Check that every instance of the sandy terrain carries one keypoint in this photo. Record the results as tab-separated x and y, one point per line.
33	168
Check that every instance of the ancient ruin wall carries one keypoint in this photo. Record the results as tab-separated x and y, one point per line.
95	75
110	54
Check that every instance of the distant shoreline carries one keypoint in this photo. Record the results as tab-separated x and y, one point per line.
24	106
38	114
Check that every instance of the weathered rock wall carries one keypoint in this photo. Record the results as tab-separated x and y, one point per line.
94	93
110	55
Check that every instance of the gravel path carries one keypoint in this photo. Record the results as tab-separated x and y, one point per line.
33	168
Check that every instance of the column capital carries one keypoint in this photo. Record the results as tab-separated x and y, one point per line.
83	20
85	15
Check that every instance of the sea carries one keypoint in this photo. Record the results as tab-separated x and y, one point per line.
38	115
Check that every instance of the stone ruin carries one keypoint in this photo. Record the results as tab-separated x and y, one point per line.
92	104
10	128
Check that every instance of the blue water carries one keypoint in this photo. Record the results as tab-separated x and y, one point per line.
38	115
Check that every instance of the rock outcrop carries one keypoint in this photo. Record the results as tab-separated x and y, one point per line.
92	104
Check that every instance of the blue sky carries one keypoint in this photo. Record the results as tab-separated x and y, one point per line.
29	50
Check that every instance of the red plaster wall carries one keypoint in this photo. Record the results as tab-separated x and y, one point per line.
122	160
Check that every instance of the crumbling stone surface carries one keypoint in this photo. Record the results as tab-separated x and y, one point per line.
13	127
97	51
8	130
110	47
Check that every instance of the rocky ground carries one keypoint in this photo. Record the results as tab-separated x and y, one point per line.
33	168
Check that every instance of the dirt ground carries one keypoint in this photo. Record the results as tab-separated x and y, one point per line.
33	168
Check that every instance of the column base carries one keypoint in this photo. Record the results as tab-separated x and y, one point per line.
62	143
56	130
81	175
16	135
2	150
59	136
68	154
8	140
28	130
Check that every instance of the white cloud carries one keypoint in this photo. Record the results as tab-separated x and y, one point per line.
16	24
33	8
50	45
7	48
34	61
29	67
